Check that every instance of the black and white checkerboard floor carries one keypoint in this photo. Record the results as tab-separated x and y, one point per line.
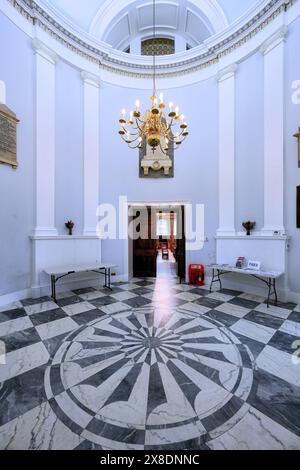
151	365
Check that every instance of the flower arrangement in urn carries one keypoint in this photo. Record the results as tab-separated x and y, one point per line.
70	225
249	226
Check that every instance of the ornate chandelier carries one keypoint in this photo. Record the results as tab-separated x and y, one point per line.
159	128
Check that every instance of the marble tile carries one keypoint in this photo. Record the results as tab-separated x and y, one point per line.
280	364
255	298
120	296
297	308
38	429
20	339
55	328
77	308
291	327
22	393
114	308
46	317
75	299
12	326
277	399
263	319
295	316
87	317
92	295
22	360
283	342
256	432
191	307
219	296
137	302
234	310
260	333
246	303
274	311
103	301
129	286
11	306
40	307
39	300
187	296
12	314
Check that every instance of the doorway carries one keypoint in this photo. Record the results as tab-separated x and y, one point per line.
159	248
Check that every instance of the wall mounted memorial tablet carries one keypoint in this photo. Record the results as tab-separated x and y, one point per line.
298	137
8	136
298	207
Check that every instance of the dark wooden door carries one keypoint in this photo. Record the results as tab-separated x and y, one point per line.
180	251
144	251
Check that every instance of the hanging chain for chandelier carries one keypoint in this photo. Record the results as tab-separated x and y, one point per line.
157	127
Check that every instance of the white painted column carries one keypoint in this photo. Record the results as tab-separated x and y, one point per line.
273	51
45	138
91	90
226	80
2	92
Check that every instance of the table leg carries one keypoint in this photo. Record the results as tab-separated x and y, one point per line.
219	279
53	287
212	280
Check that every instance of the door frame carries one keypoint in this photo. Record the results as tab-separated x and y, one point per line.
128	245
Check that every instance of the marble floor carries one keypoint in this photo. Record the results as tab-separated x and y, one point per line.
151	365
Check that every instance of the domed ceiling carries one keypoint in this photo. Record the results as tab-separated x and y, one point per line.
119	22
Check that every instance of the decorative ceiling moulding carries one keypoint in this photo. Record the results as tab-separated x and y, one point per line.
120	63
110	11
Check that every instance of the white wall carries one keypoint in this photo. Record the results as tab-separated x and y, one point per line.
17	186
69	148
249	177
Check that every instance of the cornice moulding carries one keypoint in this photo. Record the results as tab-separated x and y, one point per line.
113	61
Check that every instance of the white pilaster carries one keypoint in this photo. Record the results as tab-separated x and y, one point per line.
91	86
226	79
2	92
273	51
45	61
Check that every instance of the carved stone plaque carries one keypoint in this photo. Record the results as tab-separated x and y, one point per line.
8	136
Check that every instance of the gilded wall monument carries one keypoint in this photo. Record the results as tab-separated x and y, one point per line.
8	136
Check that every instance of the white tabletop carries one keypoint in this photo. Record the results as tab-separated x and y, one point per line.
78	268
233	269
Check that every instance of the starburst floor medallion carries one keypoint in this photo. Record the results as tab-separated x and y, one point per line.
149	376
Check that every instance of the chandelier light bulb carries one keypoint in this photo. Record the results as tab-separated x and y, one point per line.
177	110
123	112
137	104
171	105
161	97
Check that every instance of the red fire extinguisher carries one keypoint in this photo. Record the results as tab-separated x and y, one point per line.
196	275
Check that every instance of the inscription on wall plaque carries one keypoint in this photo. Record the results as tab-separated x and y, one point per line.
8	136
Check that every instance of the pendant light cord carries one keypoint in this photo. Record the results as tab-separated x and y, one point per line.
154	55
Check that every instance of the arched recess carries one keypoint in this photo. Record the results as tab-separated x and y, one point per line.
112	15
